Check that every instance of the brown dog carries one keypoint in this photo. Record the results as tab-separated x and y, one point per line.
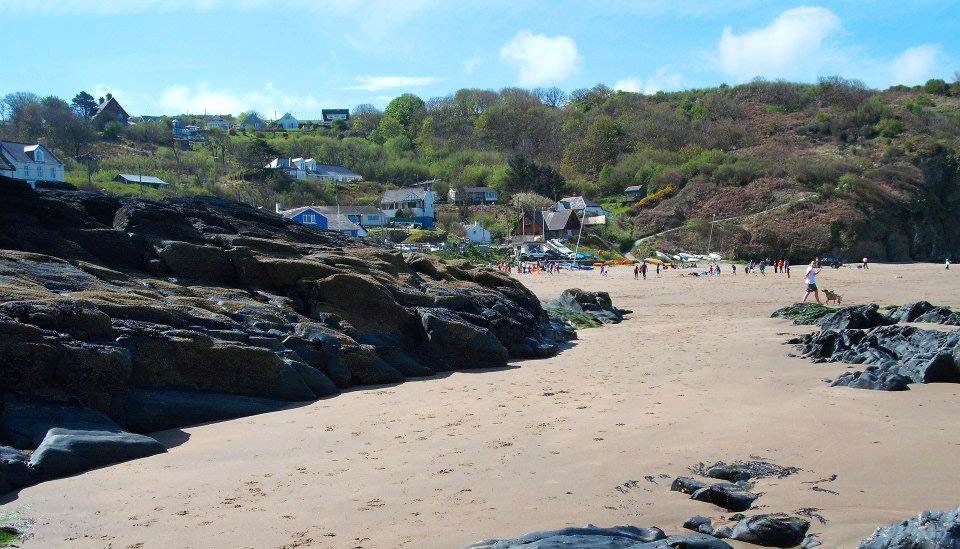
831	296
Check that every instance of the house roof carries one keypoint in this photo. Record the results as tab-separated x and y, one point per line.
111	104
328	115
287	115
216	118
4	165
578	203
633	188
402	194
22	152
552	221
136	178
337	170
350	210
344	222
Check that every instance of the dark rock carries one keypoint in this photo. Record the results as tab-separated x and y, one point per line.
315	380
366	367
150	410
14	472
699	524
810	542
869	380
79	318
66	452
25	421
929	530
597	305
455	343
860	317
923	311
729	496
686	485
723	532
589	537
727	472
773	530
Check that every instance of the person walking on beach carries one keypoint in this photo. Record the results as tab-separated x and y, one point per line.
643	270
636	272
947	261
786	267
763	267
658	270
733	266
811	281
866	264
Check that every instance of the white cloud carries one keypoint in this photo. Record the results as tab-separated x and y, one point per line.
790	46
201	98
541	59
377	83
915	65
662	81
472	63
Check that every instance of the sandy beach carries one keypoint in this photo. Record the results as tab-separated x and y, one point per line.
698	373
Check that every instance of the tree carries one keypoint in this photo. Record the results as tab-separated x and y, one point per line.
22	110
84	104
936	86
404	108
257	153
365	119
248	114
447	220
551	97
63	127
217	140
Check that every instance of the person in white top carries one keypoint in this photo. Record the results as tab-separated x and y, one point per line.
811	280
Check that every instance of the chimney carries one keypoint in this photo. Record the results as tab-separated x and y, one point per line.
279	207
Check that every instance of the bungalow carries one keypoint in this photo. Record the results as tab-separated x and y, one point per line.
548	223
287	122
307	168
476	234
252	122
217	122
327	116
145	180
313	215
634	193
29	162
365	216
581	204
110	110
417	200
475	195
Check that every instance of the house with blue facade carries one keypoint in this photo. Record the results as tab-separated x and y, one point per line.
314	216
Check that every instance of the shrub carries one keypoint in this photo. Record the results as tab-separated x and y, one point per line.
889	127
937	86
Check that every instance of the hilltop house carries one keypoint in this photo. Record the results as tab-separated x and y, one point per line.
287	122
327	116
186	133
365	216
475	195
110	110
589	208
476	234
548	224
29	162
307	168
633	193
417	200
217	122
316	217
252	122
145	180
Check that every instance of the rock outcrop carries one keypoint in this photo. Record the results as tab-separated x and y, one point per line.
592	537
928	530
585	309
135	315
896	354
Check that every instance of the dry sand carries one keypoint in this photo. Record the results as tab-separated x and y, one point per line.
698	373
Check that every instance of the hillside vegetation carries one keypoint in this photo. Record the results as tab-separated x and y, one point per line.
784	169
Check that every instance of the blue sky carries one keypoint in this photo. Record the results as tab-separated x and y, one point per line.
226	56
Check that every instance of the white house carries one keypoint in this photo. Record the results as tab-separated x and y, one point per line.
418	200
217	122
580	204
287	122
365	216
476	234
29	162
307	168
475	195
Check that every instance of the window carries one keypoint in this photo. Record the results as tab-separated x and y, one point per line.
38	155
309	219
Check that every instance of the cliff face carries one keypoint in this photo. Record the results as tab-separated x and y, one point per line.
161	314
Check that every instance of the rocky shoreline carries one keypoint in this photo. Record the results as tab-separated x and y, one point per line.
121	316
895	355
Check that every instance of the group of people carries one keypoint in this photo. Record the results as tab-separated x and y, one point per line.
640	270
779	266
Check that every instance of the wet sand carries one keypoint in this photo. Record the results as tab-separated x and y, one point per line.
697	373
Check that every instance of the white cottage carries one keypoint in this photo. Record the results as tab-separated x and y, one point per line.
476	234
287	122
29	162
